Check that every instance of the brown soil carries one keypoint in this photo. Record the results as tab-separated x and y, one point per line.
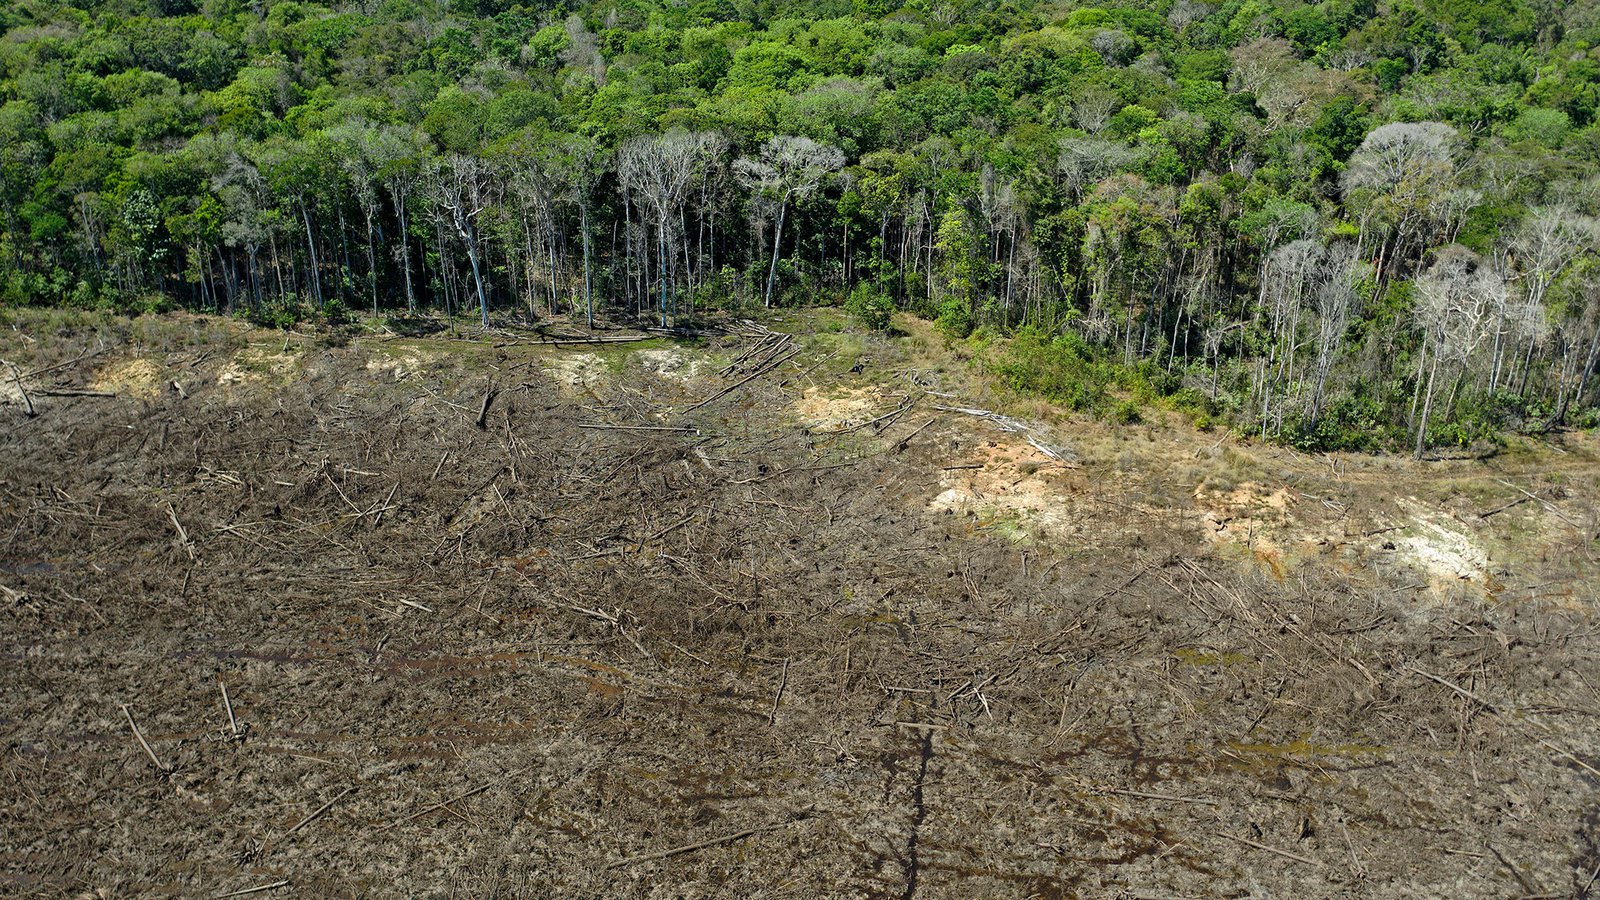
607	647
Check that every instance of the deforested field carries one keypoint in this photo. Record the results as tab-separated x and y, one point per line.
775	610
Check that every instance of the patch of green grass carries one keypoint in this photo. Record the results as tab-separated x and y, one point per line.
1190	656
1065	370
1005	524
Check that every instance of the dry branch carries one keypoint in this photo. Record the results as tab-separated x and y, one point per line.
142	742
183	536
701	845
563	341
320	810
748	378
227	704
483	411
1171	797
602	426
26	400
1283	853
72	392
254	890
445	803
783	681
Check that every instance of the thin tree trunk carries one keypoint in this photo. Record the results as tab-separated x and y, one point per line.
311	248
777	241
1427	408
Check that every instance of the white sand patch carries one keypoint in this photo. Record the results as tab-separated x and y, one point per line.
669	363
403	366
10	394
575	370
1244	514
852	407
1441	551
1015	480
255	365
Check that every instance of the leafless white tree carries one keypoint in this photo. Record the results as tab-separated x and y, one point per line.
661	168
788	168
1085	161
1093	107
1455	303
462	190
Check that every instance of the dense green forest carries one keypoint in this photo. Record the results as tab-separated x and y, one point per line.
1354	223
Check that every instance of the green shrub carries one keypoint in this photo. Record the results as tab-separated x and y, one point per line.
1356	422
1059	369
869	307
954	318
335	312
283	313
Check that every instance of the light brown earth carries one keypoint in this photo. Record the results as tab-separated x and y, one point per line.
607	646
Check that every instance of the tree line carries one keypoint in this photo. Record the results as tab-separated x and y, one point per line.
1341	224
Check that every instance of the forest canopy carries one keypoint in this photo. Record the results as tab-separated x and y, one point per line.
1346	224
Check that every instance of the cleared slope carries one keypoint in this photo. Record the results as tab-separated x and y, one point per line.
606	645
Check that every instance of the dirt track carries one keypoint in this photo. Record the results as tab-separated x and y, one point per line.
609	645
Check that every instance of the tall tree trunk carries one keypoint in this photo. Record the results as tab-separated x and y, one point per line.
405	251
311	248
477	275
777	242
1427	408
588	291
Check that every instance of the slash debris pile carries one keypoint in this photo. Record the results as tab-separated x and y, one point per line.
422	618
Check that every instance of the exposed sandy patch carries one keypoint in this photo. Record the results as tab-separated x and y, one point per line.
575	370
10	394
403	366
1444	553
138	378
854	406
1242	514
1253	517
669	363
255	365
1015	480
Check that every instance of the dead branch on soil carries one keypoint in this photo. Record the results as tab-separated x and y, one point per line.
701	845
16	376
603	426
483	411
142	742
770	361
783	681
233	724
444	804
253	890
183	536
72	392
1283	853
311	818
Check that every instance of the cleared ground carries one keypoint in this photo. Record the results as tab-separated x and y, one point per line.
393	616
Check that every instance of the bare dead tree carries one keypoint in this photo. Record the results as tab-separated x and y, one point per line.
788	168
1547	242
1402	183
1093	107
1337	299
1456	298
660	168
462	190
